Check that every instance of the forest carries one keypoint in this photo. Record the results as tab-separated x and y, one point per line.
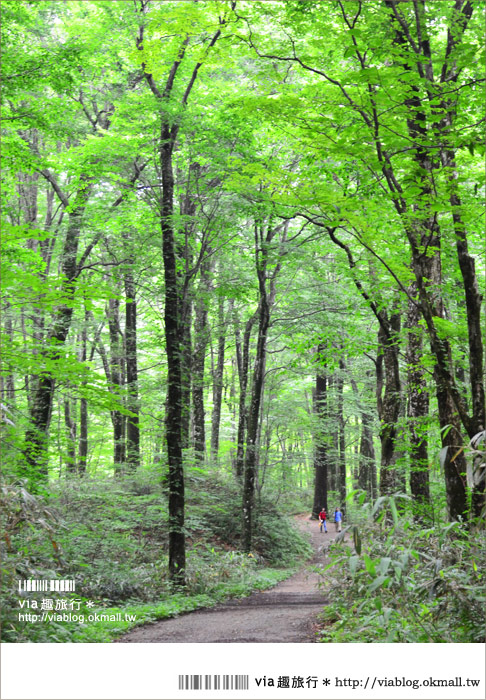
243	271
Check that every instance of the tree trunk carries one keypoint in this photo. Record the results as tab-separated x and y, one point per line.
423	229
173	313
243	357
132	423
198	362
333	437
251	460
36	437
186	369
342	437
116	352
389	405
218	382
263	241
173	418
83	412
70	437
367	463
8	381
83	436
454	469
320	448
473	299
417	408
231	402
184	253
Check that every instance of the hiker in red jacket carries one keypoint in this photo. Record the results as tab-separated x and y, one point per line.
322	520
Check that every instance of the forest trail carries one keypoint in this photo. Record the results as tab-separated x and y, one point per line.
285	613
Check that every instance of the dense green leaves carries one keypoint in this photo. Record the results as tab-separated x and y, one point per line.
327	169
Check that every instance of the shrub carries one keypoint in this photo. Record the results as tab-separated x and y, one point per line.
110	536
276	538
29	548
402	583
207	568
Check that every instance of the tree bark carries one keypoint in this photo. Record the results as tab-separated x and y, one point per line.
342	436
424	229
243	358
173	419
366	461
35	468
218	381
133	404
417	408
70	437
320	447
198	362
454	464
116	352
389	406
266	299
83	412
253	423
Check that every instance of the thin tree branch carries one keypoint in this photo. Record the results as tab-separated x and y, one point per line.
138	170
50	178
296	59
392	4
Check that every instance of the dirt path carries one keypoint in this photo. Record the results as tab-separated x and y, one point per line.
285	613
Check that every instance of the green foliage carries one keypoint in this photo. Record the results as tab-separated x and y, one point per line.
277	539
29	548
27	517
111	537
216	509
404	583
319	139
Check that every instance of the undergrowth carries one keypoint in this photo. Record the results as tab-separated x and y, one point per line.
110	536
400	582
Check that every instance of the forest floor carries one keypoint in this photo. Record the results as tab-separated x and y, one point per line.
286	613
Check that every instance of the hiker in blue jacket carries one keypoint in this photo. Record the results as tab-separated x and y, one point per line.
338	518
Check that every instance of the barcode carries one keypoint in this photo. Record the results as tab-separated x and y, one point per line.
47	585
208	682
